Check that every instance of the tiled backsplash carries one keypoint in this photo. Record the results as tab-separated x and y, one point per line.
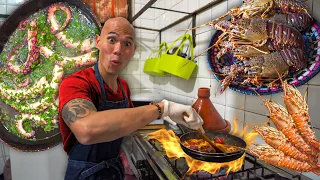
8	6
247	108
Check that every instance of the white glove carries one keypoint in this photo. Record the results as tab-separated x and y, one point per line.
173	114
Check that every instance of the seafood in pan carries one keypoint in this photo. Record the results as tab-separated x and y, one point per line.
203	146
292	144
47	46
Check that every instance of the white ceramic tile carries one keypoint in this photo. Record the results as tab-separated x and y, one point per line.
220	108
203	83
169	96
315	80
133	80
3	9
313	103
203	41
315	11
15	2
252	119
174	82
203	3
234	3
194	92
136	8
235	99
193	5
137	22
255	104
148	35
182	99
135	94
190	101
219	10
278	97
181	6
2	1
187	86
216	97
231	113
148	14
146	81
203	18
162	82
133	67
196	70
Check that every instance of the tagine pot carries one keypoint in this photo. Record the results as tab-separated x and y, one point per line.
212	120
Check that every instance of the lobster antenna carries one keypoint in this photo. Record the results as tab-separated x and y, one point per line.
204	51
259	95
208	23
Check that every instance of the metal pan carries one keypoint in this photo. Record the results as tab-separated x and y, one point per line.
214	157
44	140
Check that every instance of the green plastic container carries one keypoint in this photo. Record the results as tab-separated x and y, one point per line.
175	63
151	64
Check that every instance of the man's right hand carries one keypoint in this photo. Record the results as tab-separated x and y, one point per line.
174	113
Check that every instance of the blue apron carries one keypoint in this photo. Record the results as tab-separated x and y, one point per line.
98	161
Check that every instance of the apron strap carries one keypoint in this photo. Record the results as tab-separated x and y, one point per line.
110	163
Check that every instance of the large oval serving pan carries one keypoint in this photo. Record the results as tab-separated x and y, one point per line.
51	139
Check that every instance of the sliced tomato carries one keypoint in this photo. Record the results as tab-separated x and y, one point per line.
220	140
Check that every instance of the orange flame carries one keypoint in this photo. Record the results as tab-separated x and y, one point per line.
170	144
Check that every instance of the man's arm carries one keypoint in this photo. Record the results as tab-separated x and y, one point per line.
91	126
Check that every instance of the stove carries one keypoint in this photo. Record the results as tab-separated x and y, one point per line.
149	161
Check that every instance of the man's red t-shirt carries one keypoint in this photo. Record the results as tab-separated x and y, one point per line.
84	84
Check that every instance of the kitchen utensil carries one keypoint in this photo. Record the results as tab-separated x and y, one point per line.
176	63
151	65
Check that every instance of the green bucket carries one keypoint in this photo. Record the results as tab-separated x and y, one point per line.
151	64
175	63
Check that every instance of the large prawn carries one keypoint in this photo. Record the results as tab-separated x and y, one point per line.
278	158
277	140
298	109
283	121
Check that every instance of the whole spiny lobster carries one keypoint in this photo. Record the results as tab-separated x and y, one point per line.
264	48
290	12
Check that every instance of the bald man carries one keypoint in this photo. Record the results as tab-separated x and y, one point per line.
95	109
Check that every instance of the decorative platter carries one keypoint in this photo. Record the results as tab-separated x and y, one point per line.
297	78
41	42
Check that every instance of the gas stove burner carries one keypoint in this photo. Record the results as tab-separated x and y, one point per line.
151	162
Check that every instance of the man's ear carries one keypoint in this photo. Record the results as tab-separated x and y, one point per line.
98	41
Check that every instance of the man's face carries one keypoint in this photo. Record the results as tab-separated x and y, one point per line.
116	45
